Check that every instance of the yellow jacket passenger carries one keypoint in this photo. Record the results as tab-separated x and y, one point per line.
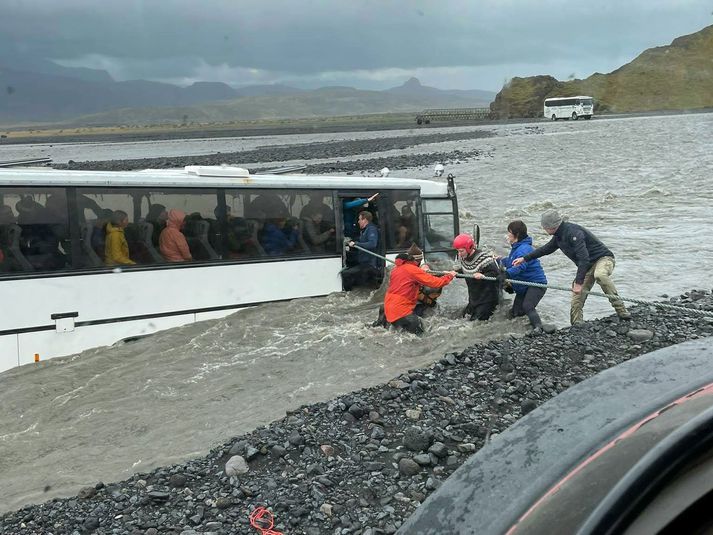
116	250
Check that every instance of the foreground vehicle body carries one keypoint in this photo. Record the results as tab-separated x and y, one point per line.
627	451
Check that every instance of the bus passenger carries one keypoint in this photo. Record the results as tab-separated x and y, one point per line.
483	296
367	268
526	297
242	241
401	301
349	215
406	226
116	249
157	216
7	218
278	237
98	242
316	201
38	243
172	243
316	239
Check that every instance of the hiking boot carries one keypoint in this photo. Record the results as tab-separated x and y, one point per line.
549	328
626	316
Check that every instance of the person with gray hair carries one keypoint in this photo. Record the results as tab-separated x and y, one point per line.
595	262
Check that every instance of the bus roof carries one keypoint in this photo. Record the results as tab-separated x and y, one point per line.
562	98
211	176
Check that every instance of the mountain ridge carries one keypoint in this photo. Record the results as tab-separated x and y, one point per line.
56	98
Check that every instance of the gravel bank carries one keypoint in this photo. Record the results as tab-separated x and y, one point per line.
362	463
306	151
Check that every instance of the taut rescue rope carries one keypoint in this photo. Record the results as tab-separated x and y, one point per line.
656	304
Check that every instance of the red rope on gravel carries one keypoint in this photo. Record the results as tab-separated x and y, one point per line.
261	519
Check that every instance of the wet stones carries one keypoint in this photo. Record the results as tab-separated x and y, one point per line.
318	475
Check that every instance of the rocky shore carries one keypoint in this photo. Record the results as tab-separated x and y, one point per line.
306	152
360	464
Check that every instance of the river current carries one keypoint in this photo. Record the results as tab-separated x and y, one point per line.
643	185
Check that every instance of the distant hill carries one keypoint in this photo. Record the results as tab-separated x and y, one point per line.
61	95
322	102
413	87
33	96
674	77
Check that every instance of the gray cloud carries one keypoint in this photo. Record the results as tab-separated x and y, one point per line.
277	40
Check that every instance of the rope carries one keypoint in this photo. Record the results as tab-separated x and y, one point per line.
611	297
262	520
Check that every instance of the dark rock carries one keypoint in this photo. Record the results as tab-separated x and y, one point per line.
178	481
296	439
409	467
527	406
356	411
86	493
158	496
640	335
417	439
439	450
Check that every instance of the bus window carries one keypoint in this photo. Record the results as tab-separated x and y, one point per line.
316	216
439	229
201	226
95	211
403	220
34	231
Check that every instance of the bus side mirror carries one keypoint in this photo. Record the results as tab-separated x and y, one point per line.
451	187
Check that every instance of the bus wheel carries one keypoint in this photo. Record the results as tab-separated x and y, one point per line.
574	116
587	117
554	117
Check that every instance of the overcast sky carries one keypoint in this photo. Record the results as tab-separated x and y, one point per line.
370	44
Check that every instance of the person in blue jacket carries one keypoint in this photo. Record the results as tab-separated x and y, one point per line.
368	267
278	238
349	214
526	297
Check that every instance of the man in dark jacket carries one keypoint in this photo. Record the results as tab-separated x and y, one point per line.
368	266
595	262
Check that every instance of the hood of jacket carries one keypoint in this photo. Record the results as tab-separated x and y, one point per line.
111	229
175	218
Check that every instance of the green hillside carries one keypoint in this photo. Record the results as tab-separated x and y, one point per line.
674	77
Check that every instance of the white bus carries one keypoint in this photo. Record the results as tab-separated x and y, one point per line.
569	108
60	298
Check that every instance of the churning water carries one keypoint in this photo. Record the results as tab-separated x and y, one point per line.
643	185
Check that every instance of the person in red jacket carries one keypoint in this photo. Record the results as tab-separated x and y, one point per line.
402	295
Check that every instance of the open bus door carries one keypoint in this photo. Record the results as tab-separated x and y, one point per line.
347	210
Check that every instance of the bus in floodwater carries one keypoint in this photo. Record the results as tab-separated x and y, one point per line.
63	294
569	108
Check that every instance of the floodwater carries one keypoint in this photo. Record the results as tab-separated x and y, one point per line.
643	185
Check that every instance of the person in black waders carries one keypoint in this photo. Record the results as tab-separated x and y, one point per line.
483	295
401	306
